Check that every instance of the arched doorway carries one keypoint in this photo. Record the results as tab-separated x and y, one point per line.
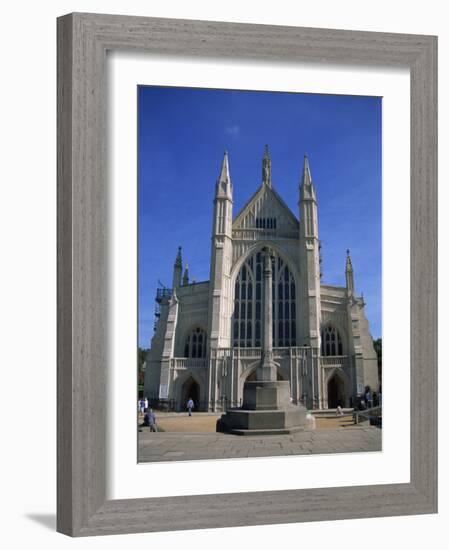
190	390
335	392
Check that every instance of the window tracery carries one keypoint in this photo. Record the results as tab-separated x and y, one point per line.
195	345
248	291
331	342
266	223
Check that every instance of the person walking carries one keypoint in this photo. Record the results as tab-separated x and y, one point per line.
190	406
149	420
368	399
142	405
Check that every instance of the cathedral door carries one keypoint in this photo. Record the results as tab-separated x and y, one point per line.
190	390
335	392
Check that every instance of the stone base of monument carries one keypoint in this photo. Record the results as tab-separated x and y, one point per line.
266	410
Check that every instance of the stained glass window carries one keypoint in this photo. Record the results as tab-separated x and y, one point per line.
248	304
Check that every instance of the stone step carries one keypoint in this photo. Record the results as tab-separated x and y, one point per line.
330	413
266	431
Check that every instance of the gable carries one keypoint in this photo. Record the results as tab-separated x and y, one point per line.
262	208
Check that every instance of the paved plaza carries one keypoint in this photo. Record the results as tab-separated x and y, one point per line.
197	445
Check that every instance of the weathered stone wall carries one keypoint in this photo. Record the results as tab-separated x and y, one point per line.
193	312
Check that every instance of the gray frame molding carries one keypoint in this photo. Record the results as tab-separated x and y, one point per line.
83	40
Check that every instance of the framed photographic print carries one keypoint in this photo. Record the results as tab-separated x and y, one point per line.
236	206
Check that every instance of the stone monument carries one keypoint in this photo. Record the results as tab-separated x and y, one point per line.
266	408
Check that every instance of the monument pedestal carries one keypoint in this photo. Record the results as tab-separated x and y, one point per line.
266	410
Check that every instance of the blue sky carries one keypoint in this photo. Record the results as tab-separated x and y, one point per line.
182	135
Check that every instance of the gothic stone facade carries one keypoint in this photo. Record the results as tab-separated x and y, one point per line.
207	339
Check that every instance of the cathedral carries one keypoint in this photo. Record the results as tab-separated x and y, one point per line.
207	338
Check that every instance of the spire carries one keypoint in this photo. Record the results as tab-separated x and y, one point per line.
224	185
349	272
348	261
306	186
266	167
185	278
306	175
177	269
224	175
178	261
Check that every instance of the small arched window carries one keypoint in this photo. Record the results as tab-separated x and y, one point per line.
331	343
195	345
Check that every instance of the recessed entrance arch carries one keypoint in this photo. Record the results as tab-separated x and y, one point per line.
190	390
335	392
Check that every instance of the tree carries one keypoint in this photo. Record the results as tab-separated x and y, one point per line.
141	364
378	349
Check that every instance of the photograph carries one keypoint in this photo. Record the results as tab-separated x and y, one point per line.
223	237
259	273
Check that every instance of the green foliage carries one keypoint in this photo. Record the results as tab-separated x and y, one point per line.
378	349
141	358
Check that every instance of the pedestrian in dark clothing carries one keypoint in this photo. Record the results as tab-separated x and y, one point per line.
149	420
368	399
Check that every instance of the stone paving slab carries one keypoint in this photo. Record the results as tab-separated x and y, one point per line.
170	446
206	422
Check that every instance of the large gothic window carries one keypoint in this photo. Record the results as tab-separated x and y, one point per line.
331	343
247	318
195	345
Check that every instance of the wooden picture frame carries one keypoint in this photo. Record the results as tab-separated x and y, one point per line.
83	40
